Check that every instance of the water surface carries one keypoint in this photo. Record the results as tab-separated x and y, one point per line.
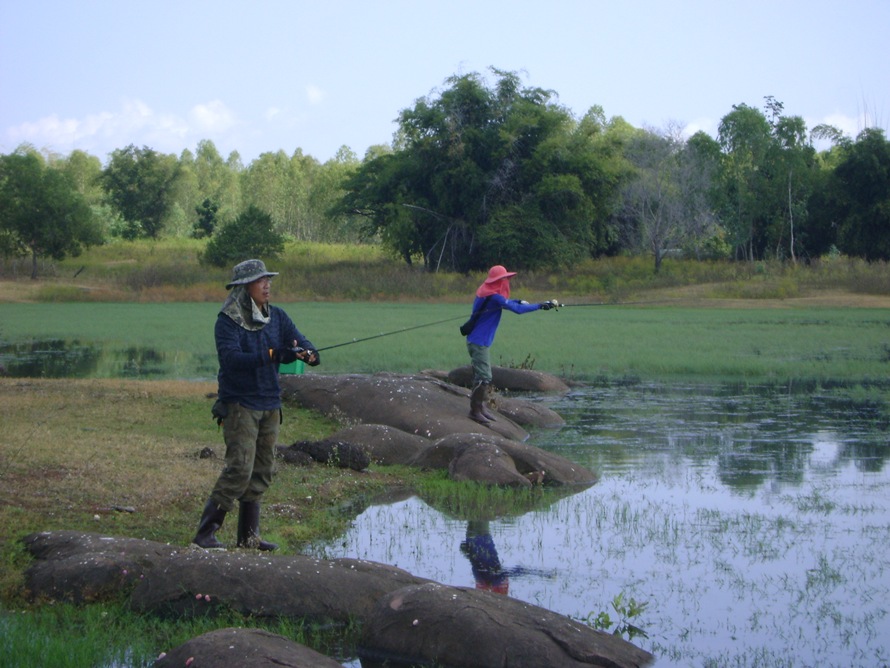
753	521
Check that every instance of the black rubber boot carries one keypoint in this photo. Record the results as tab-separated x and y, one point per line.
477	398
249	528
486	397
211	521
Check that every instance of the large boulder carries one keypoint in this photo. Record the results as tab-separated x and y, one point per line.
494	460
197	582
514	380
384	444
244	648
403	618
184	582
434	624
87	567
420	405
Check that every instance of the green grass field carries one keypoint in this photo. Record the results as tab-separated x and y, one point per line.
577	342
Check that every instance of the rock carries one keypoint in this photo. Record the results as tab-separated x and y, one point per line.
332	451
86	567
514	380
486	459
384	444
403	617
487	464
434	624
417	405
244	648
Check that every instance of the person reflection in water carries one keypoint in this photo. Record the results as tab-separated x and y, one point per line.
480	550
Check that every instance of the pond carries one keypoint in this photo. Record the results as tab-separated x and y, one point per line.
73	358
750	524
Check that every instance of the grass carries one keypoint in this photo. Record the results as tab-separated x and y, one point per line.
168	270
755	343
107	634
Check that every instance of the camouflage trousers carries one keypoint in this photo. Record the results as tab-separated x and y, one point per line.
250	438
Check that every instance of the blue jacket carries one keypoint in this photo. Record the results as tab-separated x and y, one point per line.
487	325
247	375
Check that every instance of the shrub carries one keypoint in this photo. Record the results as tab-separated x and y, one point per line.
250	235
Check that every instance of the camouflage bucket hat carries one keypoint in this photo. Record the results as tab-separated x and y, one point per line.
248	272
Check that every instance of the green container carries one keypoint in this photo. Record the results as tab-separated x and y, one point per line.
295	367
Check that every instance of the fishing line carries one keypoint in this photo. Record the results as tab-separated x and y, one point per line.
459	317
399	331
652	301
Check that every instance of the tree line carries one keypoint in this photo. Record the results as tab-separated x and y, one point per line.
480	173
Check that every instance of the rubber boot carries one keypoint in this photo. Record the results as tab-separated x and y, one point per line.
486	397
477	398
249	528
211	521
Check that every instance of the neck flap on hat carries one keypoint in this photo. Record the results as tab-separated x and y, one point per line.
243	310
501	287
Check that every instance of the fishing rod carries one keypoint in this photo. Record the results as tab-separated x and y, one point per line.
404	329
397	331
651	301
556	305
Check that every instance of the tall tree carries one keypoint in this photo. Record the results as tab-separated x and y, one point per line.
139	183
486	173
41	211
667	203
745	136
861	191
790	166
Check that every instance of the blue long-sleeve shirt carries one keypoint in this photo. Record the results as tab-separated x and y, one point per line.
247	374
487	325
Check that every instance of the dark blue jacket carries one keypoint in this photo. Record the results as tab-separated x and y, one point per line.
247	375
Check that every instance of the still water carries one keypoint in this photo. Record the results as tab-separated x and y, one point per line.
752	522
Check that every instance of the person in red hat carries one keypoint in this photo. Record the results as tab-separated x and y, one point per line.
492	297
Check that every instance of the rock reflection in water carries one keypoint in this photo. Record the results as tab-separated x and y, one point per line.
752	520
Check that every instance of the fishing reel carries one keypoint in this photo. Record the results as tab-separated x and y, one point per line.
551	304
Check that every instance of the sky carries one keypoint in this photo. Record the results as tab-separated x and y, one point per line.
268	75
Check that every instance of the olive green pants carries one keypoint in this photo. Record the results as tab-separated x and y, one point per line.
480	358
250	438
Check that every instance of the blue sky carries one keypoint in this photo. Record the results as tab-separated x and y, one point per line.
267	75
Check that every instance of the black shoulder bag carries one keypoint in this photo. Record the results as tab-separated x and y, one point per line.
470	324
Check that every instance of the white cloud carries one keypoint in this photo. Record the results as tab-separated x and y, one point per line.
272	113
315	94
706	125
849	126
213	116
134	122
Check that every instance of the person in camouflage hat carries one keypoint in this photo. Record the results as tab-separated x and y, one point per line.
252	339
